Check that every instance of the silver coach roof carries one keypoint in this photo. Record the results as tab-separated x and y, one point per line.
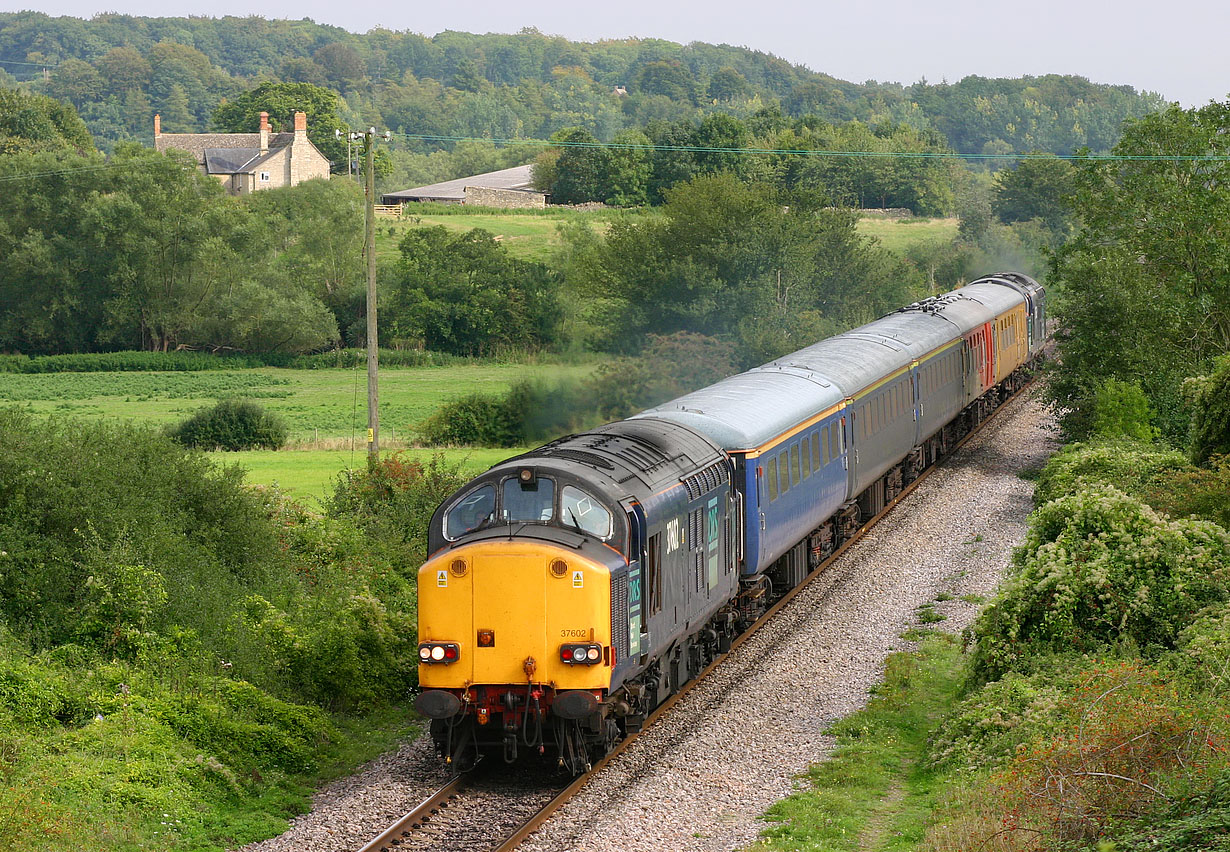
750	409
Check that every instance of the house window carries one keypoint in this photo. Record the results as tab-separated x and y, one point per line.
264	177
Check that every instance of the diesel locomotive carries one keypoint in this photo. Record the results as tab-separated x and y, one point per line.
574	588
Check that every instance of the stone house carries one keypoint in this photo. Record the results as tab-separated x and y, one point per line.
248	162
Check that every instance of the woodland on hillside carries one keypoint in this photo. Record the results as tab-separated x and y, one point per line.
118	70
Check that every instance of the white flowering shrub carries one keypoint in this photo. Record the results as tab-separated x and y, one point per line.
1101	567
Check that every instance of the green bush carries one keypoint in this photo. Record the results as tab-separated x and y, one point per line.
394	499
986	727
1121	410
1209	400
1101	567
1162	478
1128	465
231	424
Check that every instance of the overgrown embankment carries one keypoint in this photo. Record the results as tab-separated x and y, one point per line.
1089	708
182	657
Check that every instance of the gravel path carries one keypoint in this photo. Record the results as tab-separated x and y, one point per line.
702	776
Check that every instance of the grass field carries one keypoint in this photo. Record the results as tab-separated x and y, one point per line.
318	405
897	235
536	237
325	410
525	237
309	475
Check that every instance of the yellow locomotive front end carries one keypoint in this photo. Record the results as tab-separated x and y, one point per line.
515	650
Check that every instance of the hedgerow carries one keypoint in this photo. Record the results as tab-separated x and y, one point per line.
194	361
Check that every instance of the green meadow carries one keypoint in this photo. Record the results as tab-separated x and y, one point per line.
528	235
897	235
325	410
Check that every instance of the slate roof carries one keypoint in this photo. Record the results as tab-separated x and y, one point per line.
198	144
229	161
517	178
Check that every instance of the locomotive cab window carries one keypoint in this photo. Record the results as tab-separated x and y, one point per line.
532	501
470	512
578	509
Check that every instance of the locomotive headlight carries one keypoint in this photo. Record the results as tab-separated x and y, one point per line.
593	654
437	653
424	653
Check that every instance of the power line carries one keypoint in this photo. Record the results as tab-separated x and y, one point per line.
919	155
31	64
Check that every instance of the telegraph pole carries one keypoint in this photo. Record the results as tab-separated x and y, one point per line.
369	249
373	349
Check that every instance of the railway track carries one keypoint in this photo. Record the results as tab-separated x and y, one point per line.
414	829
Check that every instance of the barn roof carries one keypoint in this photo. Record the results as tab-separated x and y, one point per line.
518	178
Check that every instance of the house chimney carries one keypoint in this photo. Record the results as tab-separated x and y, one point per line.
264	132
157	125
300	125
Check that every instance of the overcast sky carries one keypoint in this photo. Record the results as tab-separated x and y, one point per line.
1177	48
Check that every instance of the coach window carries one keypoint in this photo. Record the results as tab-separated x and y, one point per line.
794	465
806	456
815	451
783	470
528	501
577	509
470	512
772	465
824	445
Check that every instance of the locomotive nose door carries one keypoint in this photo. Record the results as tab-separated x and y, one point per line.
509	598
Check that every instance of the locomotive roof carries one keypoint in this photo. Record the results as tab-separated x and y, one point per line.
748	410
626	456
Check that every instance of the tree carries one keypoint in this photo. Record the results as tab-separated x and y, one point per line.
580	168
281	101
666	78
626	176
342	66
462	293
1036	189
176	117
735	260
719	131
124	69
39	123
727	84
1209	398
75	81
1146	279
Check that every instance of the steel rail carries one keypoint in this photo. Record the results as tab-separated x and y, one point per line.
393	836
421	815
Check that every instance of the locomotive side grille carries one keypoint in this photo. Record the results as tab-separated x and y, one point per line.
619	616
698	559
708	479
